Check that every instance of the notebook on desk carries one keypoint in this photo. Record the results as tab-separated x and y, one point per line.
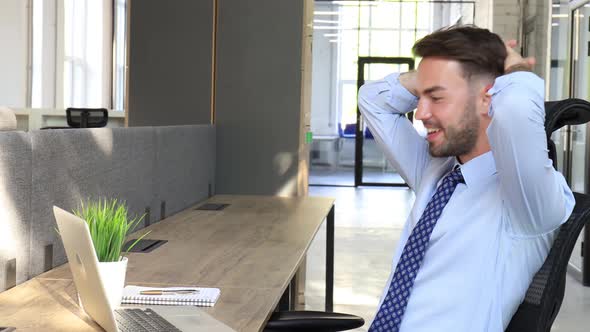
197	296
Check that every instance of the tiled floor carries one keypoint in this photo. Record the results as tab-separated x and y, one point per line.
368	224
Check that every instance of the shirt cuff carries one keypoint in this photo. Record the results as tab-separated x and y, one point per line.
400	98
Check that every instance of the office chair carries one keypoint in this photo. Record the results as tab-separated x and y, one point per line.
312	321
85	118
545	294
349	130
564	112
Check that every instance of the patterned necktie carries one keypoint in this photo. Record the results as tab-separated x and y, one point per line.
391	312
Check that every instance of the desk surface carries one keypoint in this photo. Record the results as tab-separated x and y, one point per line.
250	250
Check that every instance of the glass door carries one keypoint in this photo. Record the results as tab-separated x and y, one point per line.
580	140
371	166
559	76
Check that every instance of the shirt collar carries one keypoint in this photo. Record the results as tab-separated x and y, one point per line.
477	168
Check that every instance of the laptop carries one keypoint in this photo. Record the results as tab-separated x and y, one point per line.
84	266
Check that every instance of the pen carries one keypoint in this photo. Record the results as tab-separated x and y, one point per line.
168	291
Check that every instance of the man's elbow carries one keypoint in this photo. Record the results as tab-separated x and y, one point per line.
364	97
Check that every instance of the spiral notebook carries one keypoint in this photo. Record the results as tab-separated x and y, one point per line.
197	296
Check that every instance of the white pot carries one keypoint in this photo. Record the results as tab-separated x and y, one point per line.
112	275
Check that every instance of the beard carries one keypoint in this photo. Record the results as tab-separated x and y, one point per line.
460	138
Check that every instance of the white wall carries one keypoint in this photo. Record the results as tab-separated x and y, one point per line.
13	52
484	12
506	19
44	46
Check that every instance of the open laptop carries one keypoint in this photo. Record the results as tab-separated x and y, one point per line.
84	266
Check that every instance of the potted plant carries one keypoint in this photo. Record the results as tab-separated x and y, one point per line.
109	225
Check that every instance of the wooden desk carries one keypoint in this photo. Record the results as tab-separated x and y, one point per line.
251	250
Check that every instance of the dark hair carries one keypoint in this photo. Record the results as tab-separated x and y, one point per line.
480	52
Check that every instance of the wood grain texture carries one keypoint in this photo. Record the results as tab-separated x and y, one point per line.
250	250
44	305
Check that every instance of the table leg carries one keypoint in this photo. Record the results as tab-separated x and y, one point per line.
285	301
330	261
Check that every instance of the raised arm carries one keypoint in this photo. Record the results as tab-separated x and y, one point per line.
383	105
536	196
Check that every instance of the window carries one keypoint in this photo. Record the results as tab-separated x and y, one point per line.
87	53
119	74
78	51
367	28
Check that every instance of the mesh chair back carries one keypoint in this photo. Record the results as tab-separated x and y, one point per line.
87	117
560	113
545	294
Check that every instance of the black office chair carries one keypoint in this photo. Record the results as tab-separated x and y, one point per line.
545	294
312	321
564	112
85	118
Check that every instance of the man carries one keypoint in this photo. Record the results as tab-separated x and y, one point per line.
488	201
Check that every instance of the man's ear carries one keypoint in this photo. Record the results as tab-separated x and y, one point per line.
485	98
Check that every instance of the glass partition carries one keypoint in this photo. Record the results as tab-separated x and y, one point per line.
343	32
559	82
580	142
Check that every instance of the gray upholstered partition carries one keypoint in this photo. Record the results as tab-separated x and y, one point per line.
143	166
15	203
74	165
185	167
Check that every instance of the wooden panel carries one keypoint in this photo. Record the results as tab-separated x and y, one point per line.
44	305
250	250
229	247
51	305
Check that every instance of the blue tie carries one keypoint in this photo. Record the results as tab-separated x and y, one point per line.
391	312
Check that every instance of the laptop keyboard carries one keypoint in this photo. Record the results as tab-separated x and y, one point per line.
142	320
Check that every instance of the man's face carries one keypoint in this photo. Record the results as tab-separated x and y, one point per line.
447	107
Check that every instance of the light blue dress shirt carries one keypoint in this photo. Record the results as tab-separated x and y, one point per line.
496	230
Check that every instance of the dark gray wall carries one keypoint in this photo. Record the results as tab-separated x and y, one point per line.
170	62
258	95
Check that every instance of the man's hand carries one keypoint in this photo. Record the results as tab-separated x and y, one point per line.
408	81
514	61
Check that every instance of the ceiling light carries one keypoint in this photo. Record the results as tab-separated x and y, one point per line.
325	13
355	3
324	27
326	21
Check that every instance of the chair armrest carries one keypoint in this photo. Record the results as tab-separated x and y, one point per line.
317	321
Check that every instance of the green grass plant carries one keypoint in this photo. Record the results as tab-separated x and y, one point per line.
109	226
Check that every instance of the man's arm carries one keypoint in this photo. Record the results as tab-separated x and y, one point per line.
383	105
536	196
